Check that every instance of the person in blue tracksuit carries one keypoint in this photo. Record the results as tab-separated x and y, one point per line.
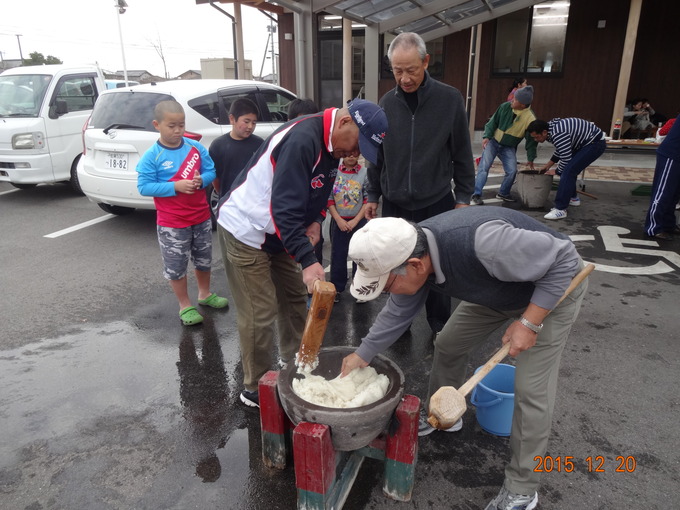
660	222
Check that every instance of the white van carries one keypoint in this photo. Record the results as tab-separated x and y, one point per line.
42	113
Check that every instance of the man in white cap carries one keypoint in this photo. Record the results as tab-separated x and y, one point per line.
502	265
269	223
502	134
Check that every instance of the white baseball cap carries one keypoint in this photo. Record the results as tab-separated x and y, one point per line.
381	246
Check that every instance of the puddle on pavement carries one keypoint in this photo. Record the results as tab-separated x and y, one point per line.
125	397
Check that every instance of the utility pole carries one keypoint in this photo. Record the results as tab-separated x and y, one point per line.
21	55
272	30
234	37
121	6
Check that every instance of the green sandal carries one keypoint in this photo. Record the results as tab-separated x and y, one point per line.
214	301
190	316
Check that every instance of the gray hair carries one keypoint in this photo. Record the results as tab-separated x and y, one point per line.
420	250
408	40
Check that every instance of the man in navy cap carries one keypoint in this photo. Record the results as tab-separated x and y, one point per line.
270	222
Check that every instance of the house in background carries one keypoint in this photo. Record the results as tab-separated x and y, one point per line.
191	74
9	63
221	68
584	58
137	75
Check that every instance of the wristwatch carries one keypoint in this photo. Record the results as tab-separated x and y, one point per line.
536	328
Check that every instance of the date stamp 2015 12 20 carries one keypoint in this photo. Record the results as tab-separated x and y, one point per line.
594	464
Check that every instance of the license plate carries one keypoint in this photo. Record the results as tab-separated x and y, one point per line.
117	160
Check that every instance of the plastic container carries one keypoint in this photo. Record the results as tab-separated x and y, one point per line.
494	398
533	188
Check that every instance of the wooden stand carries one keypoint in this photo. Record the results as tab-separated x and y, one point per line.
324	476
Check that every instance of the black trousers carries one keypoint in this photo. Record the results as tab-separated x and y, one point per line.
437	306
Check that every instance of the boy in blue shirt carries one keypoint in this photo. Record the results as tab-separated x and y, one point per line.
174	171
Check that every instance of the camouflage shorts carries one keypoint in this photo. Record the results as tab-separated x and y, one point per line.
180	244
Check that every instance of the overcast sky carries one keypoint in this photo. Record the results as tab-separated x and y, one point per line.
86	31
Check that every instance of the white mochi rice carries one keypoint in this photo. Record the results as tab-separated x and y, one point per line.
362	386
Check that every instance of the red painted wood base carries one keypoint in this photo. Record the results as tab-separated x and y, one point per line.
318	483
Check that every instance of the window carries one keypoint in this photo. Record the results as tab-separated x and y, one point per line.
78	92
277	104
22	95
330	59
532	40
272	104
132	110
208	107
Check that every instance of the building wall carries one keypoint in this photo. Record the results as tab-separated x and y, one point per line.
656	65
592	60
587	88
223	68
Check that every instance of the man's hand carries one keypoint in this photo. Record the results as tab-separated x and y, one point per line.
351	362
185	186
312	273
530	164
520	337
371	210
313	233
198	180
485	142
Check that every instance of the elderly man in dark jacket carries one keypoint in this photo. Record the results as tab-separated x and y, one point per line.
428	147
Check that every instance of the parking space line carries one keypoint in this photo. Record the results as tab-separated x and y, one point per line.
8	191
79	226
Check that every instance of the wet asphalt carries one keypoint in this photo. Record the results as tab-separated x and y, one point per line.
107	402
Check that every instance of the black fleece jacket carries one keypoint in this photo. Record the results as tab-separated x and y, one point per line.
424	150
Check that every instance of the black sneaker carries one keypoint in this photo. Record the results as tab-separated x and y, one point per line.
505	198
477	200
250	398
337	298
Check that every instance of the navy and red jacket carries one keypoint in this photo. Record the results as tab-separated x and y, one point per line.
284	188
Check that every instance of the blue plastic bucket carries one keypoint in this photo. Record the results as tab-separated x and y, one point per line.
494	398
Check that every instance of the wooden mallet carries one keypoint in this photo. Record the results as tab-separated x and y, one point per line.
323	297
447	404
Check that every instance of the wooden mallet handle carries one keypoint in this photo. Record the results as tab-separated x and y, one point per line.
319	312
447	404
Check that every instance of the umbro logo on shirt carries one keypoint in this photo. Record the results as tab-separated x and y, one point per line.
166	165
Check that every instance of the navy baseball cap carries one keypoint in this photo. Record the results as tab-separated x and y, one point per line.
372	123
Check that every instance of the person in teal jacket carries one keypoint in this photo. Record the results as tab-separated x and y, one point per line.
502	134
